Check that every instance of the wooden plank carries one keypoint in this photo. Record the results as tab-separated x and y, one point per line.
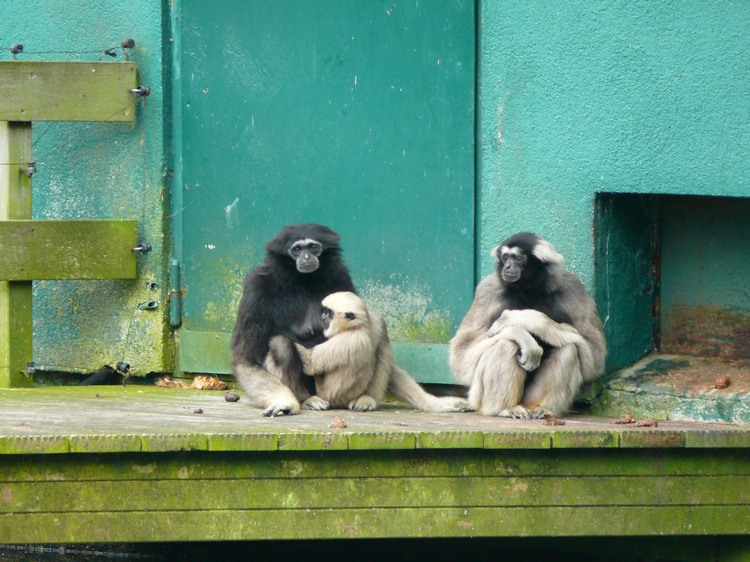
374	492
67	91
167	419
83	249
210	525
15	298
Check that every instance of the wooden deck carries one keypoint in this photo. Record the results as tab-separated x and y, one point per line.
141	464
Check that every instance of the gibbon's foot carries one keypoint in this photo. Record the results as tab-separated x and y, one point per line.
539	413
517	412
529	358
281	407
363	404
315	403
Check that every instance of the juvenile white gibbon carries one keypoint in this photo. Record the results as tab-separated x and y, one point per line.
532	336
354	367
346	367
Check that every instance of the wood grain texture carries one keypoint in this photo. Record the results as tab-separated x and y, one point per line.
15	297
80	249
67	91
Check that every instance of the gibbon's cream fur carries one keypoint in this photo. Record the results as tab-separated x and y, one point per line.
532	336
354	368
347	373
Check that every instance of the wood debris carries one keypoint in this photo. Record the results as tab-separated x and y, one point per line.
721	381
337	423
549	419
626	419
198	383
629	420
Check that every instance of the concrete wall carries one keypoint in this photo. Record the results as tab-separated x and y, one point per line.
580	101
581	97
99	170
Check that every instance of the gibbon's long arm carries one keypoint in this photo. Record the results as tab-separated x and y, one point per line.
342	350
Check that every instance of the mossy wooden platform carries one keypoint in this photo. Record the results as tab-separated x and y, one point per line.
141	463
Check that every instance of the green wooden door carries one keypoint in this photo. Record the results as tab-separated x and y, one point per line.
358	114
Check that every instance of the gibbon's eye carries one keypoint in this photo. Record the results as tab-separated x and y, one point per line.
326	313
519	258
296	249
349	315
315	249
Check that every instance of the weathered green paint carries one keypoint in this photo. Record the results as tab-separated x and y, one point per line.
97	249
100	171
626	248
72	91
15	297
209	352
319	111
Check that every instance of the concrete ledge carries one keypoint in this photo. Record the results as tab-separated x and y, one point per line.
679	387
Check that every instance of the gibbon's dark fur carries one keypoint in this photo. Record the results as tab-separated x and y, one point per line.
532	335
279	300
281	307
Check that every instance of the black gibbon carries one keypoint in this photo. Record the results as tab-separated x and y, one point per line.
532	336
281	307
281	297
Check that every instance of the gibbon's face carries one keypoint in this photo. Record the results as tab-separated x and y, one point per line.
343	311
513	261
305	254
523	258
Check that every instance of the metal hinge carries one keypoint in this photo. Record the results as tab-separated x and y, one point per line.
175	295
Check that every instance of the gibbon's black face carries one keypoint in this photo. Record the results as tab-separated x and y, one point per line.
513	262
305	253
327	315
517	263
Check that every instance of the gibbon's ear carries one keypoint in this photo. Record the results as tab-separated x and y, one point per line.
349	315
495	252
327	237
546	253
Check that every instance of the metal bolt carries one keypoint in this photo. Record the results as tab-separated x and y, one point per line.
143	248
148	305
29	170
123	367
142	91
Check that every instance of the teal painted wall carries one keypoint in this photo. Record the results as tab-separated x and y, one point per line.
580	98
574	99
99	170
